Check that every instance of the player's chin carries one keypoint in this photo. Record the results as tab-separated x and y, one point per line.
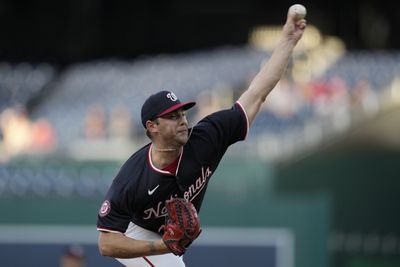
182	137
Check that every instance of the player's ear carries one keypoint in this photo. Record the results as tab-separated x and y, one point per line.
151	126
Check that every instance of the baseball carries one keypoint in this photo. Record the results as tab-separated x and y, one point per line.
300	11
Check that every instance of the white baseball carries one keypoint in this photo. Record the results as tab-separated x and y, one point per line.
299	10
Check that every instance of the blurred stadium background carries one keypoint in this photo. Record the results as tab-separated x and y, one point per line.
318	175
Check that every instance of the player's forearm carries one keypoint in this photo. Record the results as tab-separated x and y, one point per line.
120	246
267	78
272	71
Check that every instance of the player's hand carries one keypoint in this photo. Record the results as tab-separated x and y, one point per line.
294	28
182	225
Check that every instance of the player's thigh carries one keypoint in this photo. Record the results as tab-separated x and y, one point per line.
165	260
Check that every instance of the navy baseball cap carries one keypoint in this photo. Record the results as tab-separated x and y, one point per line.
160	104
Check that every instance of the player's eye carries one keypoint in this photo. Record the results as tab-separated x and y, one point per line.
174	116
177	116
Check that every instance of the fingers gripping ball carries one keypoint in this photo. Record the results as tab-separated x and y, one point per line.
182	225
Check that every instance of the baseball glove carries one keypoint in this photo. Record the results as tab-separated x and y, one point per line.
182	225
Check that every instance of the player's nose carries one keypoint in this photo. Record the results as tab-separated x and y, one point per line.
183	120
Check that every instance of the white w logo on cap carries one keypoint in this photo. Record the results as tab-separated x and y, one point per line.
172	96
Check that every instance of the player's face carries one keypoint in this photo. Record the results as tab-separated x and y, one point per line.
173	127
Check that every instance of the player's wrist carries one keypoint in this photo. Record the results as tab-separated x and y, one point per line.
162	247
157	247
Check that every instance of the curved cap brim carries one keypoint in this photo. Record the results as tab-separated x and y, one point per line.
185	106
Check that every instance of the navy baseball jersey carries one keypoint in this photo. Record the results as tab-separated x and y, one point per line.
139	191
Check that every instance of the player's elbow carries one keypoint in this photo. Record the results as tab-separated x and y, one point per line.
104	246
104	250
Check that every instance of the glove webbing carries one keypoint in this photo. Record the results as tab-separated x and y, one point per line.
188	214
179	214
179	208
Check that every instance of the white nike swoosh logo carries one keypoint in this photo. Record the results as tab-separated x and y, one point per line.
152	191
